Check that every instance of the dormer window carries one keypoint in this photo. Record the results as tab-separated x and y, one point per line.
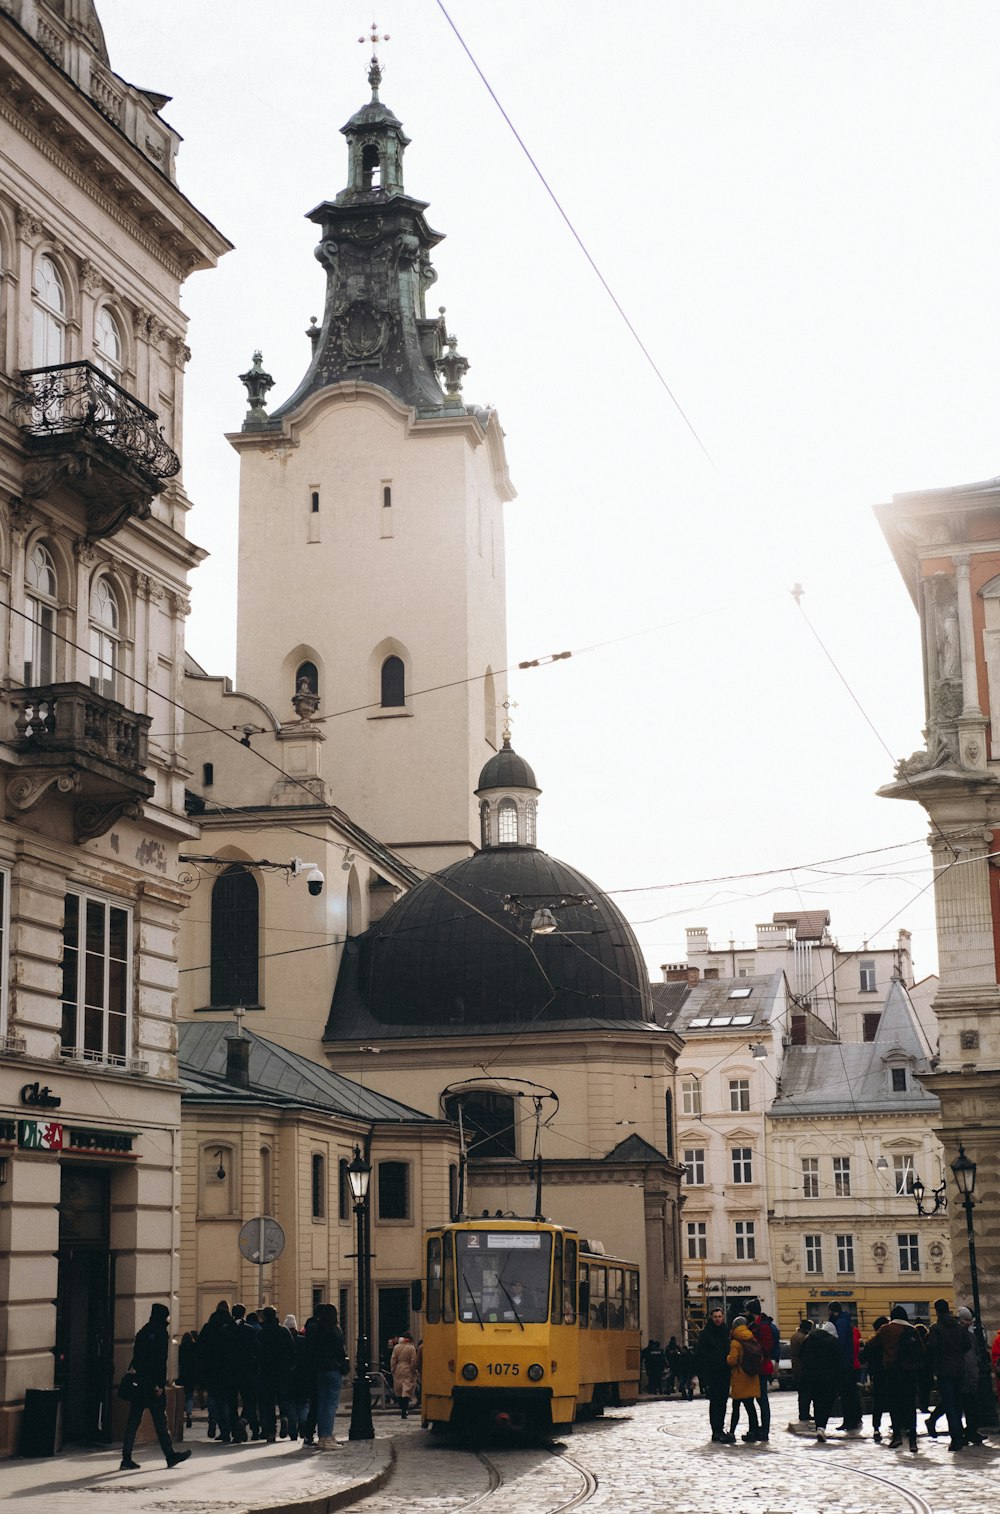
371	167
898	1079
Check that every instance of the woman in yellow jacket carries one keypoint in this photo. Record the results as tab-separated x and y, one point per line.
744	1386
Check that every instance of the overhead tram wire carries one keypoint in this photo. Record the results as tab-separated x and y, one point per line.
579	240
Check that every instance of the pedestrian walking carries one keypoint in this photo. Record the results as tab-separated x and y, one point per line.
970	1383
712	1365
743	1359
795	1357
239	1355
329	1354
149	1363
871	1355
304	1391
275	1364
403	1366
850	1400
902	1358
821	1368
672	1354
187	1371
655	1363
211	1370
949	1343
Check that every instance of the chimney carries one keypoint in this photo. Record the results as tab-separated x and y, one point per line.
711	974
678	972
238	1061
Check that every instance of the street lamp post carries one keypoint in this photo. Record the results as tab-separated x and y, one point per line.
965	1178
359	1174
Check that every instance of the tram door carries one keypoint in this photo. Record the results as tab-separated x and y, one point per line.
85	1304
393	1318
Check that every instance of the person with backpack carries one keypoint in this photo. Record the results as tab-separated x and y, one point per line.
743	1359
820	1362
902	1359
764	1333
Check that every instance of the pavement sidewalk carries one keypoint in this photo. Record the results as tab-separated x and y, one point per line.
249	1479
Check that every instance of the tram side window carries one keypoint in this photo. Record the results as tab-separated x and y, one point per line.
448	1309
557	1279
616	1298
599	1298
569	1284
584	1316
631	1301
434	1280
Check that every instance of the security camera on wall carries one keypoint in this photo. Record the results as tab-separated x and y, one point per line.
314	878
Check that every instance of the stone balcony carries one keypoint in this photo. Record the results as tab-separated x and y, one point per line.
72	743
84	431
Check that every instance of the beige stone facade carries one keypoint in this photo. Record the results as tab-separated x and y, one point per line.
95	241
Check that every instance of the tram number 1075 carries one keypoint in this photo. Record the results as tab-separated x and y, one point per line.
503	1369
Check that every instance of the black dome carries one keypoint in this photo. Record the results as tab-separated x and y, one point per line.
507	771
449	959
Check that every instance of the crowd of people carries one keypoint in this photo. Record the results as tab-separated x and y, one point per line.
904	1363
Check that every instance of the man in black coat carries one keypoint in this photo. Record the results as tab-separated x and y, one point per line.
713	1372
239	1355
275	1362
149	1362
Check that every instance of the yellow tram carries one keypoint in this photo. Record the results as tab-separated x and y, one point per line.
526	1327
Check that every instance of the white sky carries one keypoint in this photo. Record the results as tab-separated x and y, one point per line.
793	202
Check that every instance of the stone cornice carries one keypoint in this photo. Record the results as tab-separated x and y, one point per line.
180	248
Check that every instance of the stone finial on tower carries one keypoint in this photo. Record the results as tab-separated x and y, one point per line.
453	367
256	382
313	331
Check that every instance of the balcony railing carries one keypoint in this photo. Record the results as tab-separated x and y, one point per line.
77	398
69	720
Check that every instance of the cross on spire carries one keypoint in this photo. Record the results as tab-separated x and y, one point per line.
508	705
375	70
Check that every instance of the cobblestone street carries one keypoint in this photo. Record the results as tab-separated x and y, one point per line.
658	1459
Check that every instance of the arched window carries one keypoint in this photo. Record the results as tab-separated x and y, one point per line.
235	922
306	678
40	624
507	823
371	167
108	346
49	319
393	683
484	822
266	1193
318	1186
104	640
487	1121
531	812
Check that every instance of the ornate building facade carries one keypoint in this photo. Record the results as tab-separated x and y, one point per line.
947	545
96	240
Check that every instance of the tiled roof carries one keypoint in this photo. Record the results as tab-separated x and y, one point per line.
278	1077
851	1077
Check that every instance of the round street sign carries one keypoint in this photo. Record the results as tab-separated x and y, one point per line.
262	1240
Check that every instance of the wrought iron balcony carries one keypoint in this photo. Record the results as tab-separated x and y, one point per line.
90	432
71	741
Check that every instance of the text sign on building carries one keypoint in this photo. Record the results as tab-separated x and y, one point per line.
50	1135
39	1135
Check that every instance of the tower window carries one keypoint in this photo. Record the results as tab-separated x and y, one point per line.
393	683
235	917
507	823
387	496
314	501
207	774
371	167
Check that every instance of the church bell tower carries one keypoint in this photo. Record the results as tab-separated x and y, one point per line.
371	614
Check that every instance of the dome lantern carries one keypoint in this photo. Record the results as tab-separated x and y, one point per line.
508	800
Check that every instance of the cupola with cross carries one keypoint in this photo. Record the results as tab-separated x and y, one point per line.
508	800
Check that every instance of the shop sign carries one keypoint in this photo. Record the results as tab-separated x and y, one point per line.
39	1135
37	1097
836	1293
49	1135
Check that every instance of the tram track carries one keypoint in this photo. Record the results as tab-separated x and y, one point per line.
587	1479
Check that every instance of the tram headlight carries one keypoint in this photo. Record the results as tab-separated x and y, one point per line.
470	1371
536	1372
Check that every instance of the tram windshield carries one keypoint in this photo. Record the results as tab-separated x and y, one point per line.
503	1275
